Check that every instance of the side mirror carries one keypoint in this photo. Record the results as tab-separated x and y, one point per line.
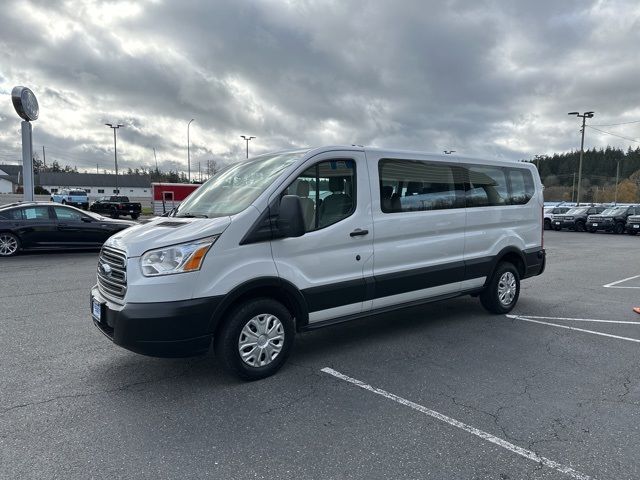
290	218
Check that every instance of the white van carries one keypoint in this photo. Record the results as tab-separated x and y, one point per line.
298	240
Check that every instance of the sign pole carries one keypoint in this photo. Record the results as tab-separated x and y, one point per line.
27	161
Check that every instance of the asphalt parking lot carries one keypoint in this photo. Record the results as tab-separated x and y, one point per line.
444	391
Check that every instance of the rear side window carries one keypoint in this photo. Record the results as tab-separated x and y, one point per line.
487	186
79	193
67	214
36	213
412	185
522	188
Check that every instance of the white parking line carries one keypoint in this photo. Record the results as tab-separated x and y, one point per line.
576	319
527	319
613	284
463	426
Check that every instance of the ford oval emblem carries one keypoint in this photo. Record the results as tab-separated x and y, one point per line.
105	269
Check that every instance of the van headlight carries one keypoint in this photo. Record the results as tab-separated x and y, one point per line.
186	257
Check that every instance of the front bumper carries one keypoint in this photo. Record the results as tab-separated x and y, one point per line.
600	225
161	329
633	227
563	224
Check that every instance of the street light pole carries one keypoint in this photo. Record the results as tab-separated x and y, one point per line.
115	148
246	138
188	151
584	117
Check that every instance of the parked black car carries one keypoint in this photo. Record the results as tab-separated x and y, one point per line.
576	218
116	206
613	219
49	225
633	223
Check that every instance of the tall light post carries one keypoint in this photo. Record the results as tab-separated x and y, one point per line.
246	138
188	151
26	105
115	148
584	117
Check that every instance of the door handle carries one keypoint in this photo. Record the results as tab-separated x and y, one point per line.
359	232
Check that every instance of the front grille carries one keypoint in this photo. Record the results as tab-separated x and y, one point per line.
112	273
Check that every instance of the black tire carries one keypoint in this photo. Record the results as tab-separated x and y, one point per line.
579	227
557	228
135	216
114	214
226	339
490	298
547	224
619	228
9	244
64	202
591	230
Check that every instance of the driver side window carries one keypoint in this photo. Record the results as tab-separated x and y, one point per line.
327	192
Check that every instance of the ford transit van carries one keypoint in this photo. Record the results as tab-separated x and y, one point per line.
298	240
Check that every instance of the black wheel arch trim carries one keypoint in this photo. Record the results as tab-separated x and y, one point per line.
260	287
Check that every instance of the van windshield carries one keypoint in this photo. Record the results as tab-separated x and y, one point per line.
233	189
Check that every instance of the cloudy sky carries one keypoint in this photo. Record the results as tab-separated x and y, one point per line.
484	78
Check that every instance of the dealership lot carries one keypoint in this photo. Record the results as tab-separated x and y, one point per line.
441	391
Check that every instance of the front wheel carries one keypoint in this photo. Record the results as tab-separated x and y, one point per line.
255	340
547	224
9	244
503	290
579	226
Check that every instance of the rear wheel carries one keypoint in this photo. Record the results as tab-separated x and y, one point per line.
114	214
134	216
503	290
9	244
255	340
619	228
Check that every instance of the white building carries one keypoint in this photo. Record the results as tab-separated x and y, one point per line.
97	184
9	178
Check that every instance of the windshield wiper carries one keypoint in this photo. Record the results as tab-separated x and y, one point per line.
192	215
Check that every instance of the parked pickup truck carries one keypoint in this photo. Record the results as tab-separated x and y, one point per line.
613	219
77	198
116	206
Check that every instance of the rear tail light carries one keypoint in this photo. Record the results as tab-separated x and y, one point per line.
542	227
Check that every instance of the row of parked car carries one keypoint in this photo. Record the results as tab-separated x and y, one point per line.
593	218
113	205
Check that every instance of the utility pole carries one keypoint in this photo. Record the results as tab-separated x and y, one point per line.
97	168
154	156
246	138
44	158
199	173
573	187
584	117
615	201
115	148
188	151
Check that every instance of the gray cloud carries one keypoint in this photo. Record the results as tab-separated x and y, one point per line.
486	78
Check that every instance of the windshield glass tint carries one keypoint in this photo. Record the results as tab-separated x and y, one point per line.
609	211
236	187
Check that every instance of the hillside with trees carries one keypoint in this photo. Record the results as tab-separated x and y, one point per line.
559	174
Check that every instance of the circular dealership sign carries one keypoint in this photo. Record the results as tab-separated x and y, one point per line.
25	103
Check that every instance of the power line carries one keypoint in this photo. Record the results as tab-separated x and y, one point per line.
615	124
614	134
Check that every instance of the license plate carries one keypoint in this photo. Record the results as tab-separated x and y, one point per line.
594	224
96	309
636	226
557	223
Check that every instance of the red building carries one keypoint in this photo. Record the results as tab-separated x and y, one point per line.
166	196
